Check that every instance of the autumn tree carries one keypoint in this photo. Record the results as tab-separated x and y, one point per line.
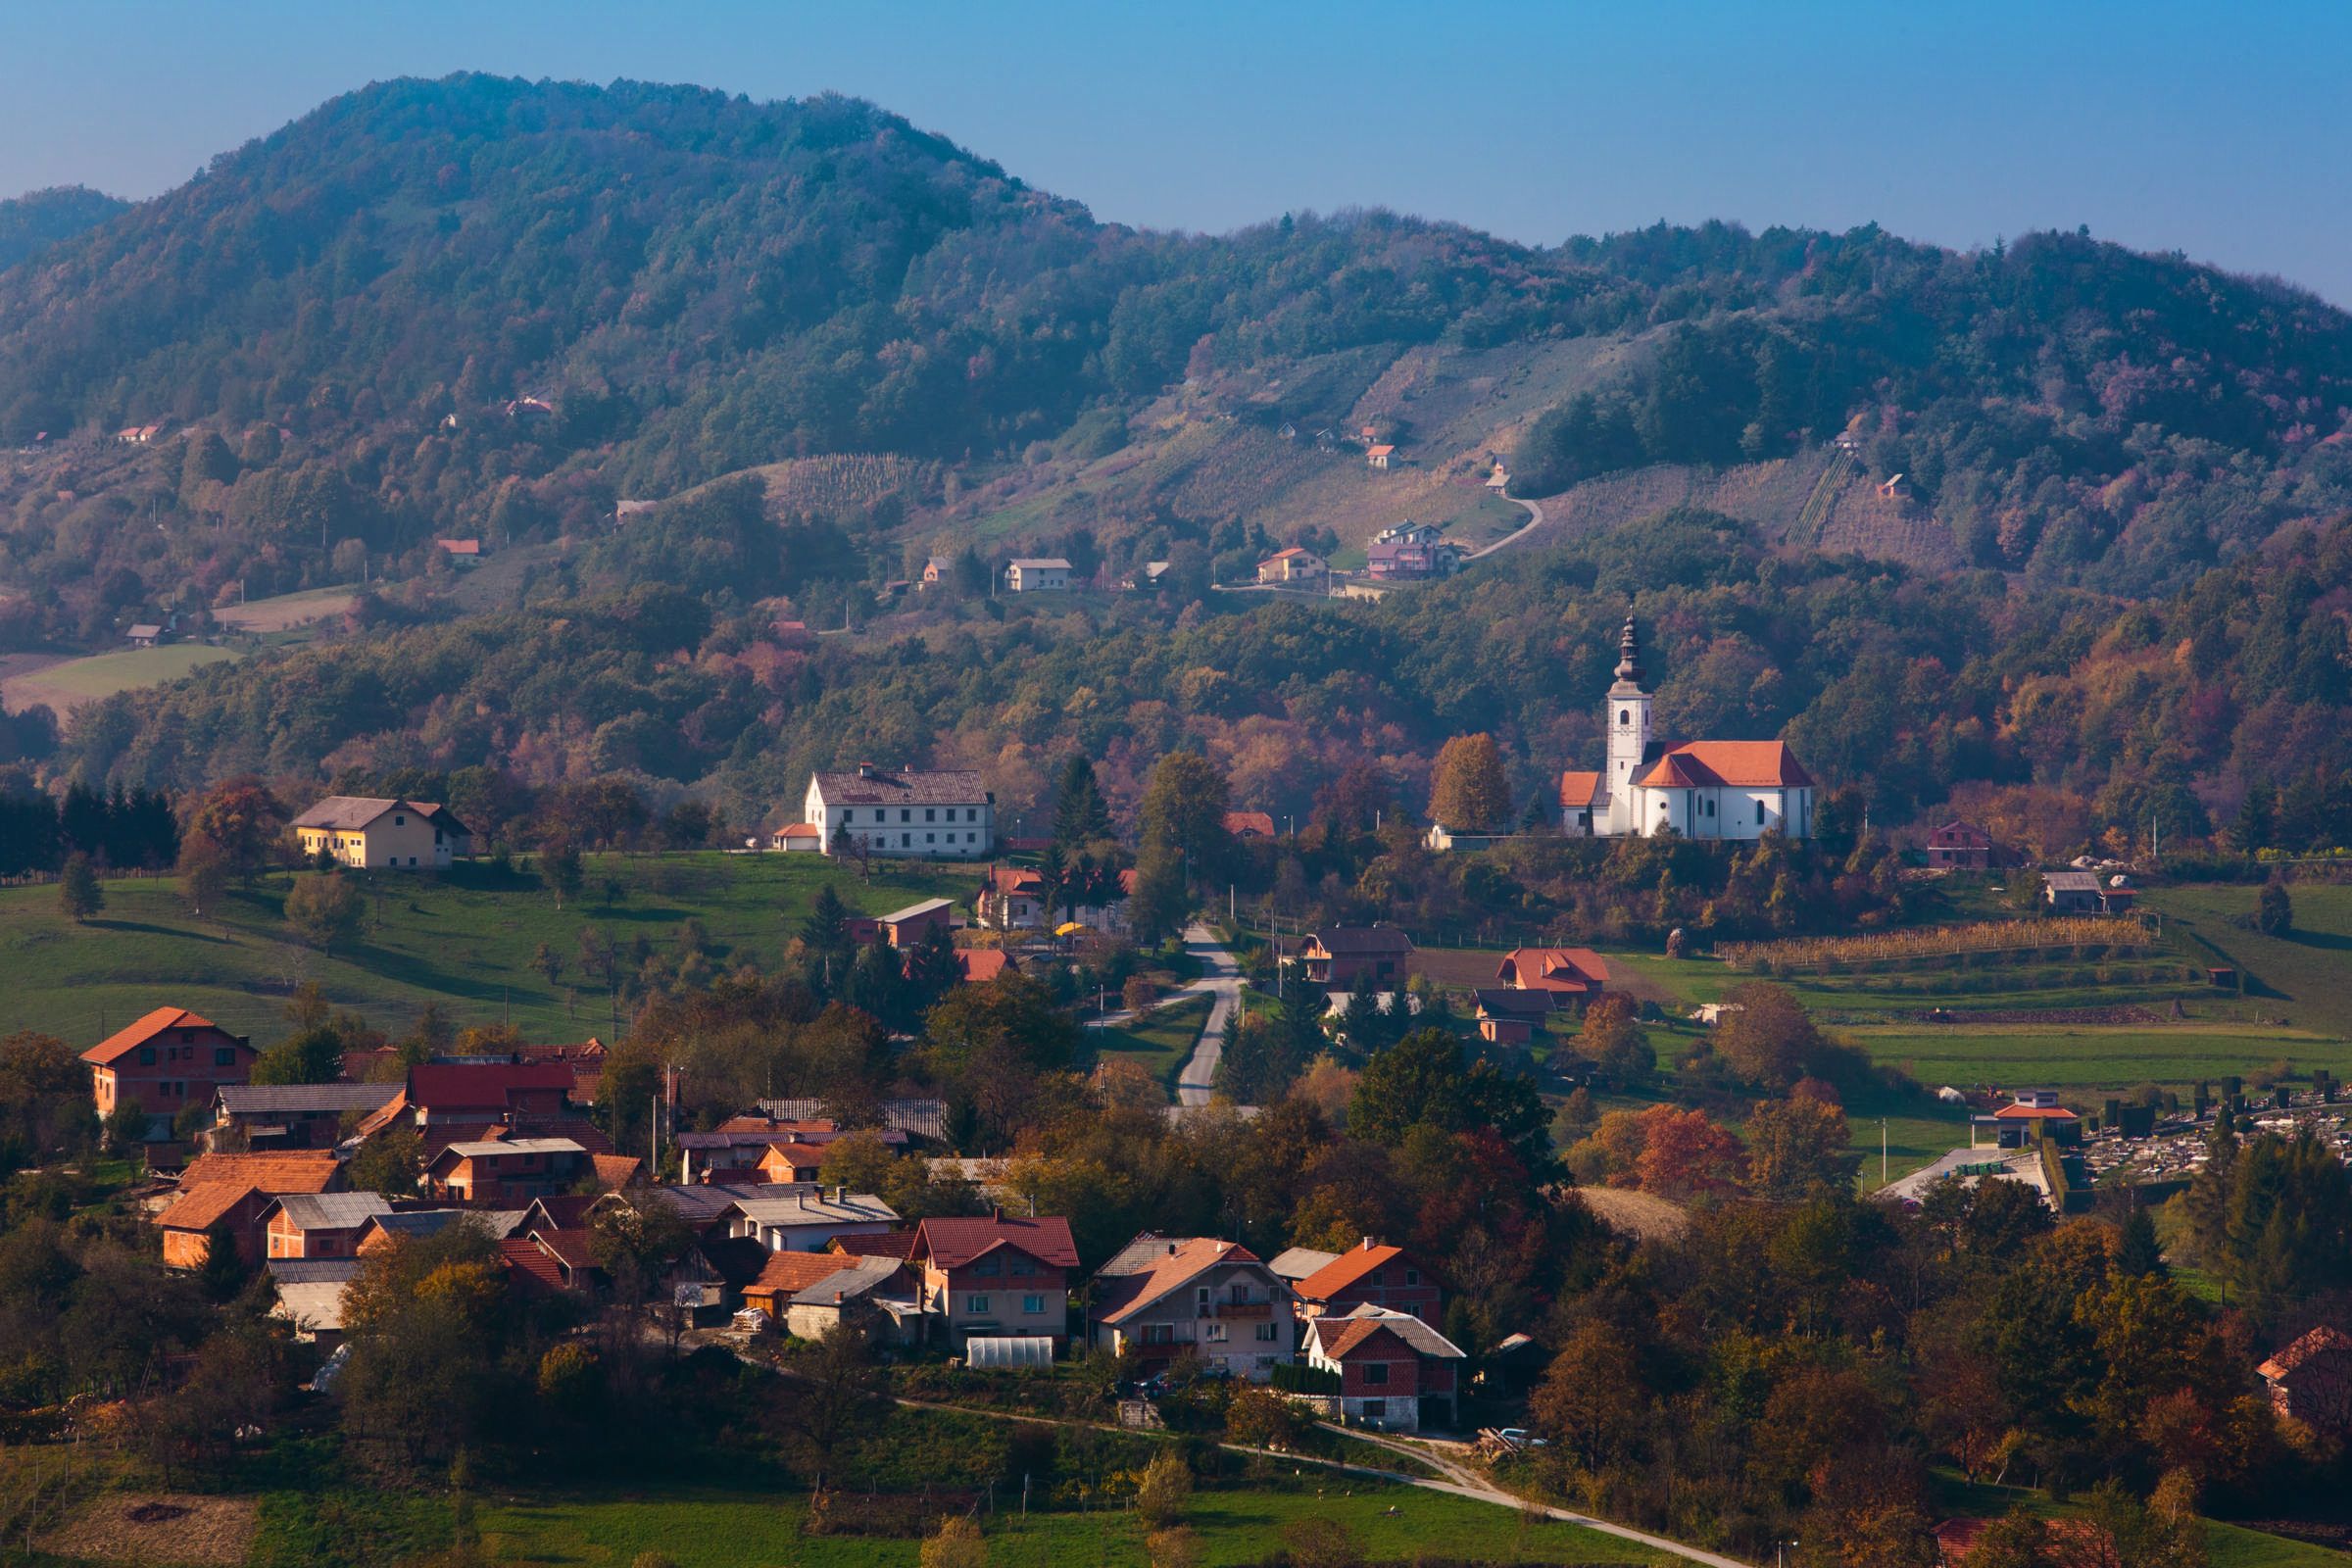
2275	909
1469	791
79	894
1796	1145
204	872
242	820
1612	1039
1685	1155
1590	1401
324	910
1183	815
1766	1036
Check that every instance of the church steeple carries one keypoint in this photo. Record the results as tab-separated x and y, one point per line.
1629	661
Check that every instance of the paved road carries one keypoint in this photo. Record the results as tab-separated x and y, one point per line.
1220	978
1535	520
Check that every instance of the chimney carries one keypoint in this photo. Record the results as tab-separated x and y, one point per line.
1368	1244
865	770
997	1213
835	1297
841	1195
802	1198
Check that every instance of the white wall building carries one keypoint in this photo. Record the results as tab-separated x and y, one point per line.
1030	575
1699	789
942	814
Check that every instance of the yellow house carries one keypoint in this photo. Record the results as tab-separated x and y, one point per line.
363	831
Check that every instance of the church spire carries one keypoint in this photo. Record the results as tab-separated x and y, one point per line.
1629	655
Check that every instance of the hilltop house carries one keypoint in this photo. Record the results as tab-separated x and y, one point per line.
1013	898
997	1275
1411	551
146	634
1032	574
1207	1299
167	1060
1248	826
934	815
1381	456
1340	955
370	832
1736	790
1295	566
505	1172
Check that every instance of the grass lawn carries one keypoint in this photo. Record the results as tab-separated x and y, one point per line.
85	680
723	1530
2227	1545
2305	975
462	939
284	612
1161	1042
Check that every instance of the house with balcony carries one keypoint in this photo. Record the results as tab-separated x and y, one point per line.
1338	956
1200	1298
1368	1274
505	1172
995	1277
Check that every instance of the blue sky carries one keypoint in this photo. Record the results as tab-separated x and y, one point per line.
2205	128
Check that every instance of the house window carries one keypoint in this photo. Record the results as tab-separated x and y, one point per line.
1376	1375
1216	1333
1625	715
223	1057
1159	1334
930	838
1239	1293
1375	1409
1412	1276
1265	1331
906	841
1200	1300
929	815
1032	1305
975	1304
1710	808
399	822
146	1055
906	815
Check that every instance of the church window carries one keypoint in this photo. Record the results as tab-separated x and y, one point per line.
1625	715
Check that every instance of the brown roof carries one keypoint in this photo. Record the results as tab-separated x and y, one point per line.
129	1038
1566	970
886	1244
525	1258
1261	823
1749	764
1183	1262
2318	1342
351	813
615	1170
789	1273
954	1243
1342	1336
1344	1270
293	1170
1016	879
201	1205
1578	789
983	964
1345	939
906	787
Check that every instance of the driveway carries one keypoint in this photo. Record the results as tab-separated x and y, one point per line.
1535	520
1221	978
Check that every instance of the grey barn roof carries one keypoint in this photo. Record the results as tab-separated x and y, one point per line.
332	1210
906	787
272	1100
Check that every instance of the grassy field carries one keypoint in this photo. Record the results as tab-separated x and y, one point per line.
2227	1545
1233	1526
85	680
2306	975
1161	1042
464	940
284	612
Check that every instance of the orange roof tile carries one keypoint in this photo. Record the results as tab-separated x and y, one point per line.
129	1038
786	1273
983	964
1240	823
1171	1272
2318	1342
1344	1270
1579	789
1565	969
202	1205
1744	764
292	1170
615	1170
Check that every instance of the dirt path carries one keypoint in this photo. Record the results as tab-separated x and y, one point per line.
1535	520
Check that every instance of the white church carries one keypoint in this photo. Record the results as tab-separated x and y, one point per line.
1697	789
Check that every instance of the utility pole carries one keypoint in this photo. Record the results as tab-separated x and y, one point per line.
1882	1150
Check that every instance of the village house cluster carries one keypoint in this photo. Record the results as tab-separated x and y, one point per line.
509	1142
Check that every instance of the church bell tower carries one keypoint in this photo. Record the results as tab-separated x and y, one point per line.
1628	720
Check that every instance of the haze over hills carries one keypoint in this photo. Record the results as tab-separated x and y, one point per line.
33	223
487	308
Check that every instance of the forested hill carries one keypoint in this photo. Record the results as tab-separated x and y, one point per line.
479	305
38	219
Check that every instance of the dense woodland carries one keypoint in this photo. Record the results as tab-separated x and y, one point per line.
38	219
330	317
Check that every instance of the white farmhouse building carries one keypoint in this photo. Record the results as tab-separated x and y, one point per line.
1697	789
943	815
1030	575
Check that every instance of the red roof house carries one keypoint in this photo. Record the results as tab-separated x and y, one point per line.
998	1276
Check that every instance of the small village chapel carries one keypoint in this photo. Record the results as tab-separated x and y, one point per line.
1697	789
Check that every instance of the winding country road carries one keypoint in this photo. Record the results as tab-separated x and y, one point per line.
1535	520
